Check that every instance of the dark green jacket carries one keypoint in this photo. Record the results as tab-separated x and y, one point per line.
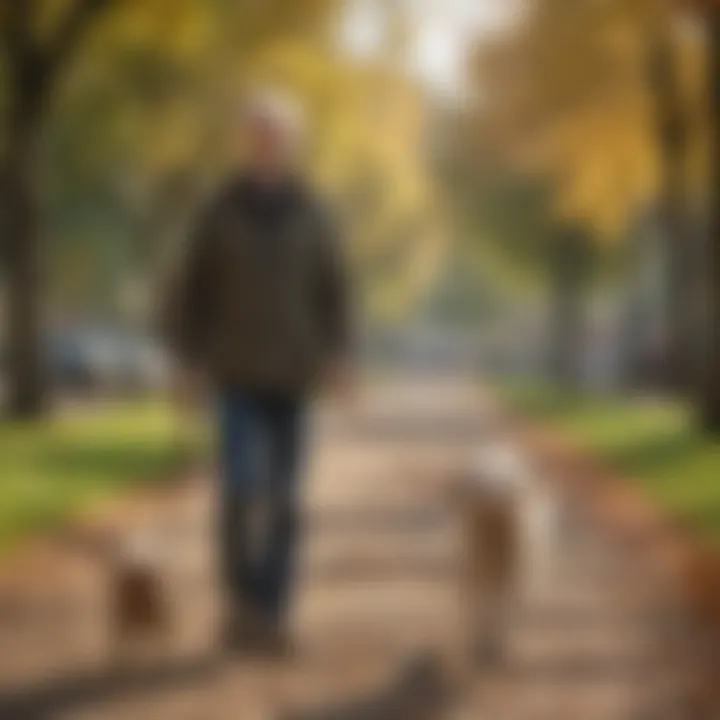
261	300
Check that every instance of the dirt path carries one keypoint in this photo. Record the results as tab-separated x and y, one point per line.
377	616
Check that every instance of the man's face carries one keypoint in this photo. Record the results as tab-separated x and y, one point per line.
267	144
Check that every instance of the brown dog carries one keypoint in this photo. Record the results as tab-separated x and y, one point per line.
139	608
140	614
487	499
489	574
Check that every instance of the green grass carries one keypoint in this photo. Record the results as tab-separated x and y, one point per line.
53	470
652	441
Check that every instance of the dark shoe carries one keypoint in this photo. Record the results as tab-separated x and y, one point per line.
273	642
240	630
491	652
251	635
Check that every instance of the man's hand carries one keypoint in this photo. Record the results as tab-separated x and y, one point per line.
340	382
188	390
187	393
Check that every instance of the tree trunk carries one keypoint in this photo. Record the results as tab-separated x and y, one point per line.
710	399
680	342
633	340
569	259
672	138
26	378
33	72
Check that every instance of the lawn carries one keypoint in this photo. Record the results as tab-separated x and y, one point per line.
53	470
651	441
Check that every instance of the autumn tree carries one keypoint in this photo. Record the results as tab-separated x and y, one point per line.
711	370
708	12
156	62
35	59
594	97
554	121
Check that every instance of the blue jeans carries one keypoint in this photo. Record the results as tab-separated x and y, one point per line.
261	443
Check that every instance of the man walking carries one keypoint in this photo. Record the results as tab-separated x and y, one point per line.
261	312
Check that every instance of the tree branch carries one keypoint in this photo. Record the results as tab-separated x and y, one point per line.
71	31
16	27
26	61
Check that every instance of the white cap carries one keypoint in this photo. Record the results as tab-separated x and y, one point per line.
278	109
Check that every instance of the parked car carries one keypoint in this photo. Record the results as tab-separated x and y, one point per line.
106	361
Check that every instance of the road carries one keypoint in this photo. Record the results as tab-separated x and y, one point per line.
377	619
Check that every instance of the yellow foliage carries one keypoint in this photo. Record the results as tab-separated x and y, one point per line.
152	88
568	94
